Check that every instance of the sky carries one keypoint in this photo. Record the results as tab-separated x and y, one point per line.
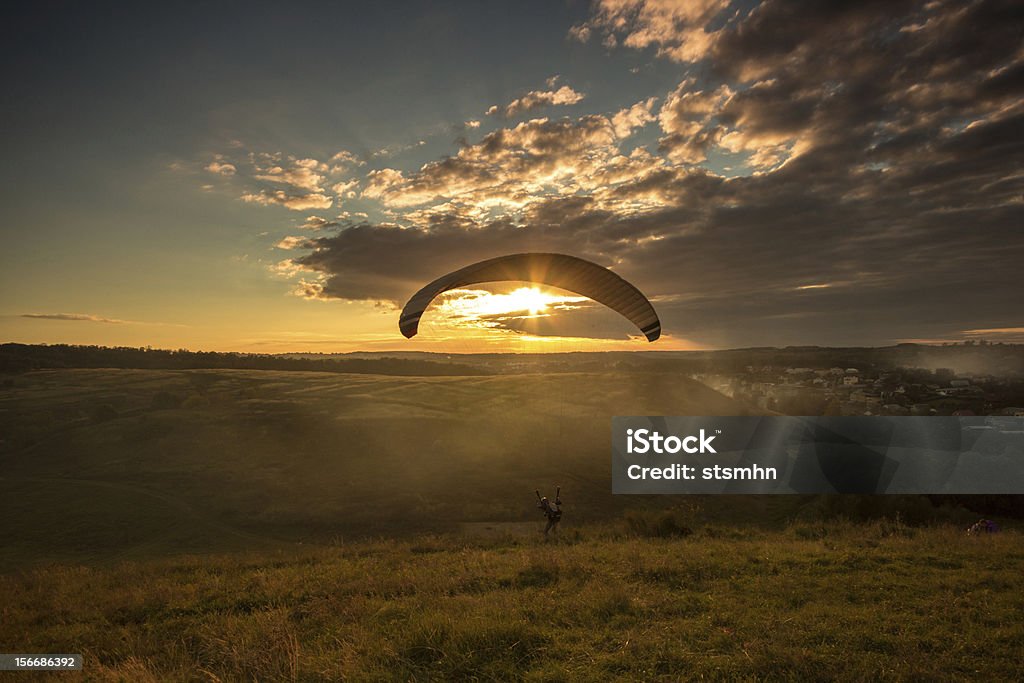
275	177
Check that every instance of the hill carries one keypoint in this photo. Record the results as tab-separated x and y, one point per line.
134	462
238	524
812	602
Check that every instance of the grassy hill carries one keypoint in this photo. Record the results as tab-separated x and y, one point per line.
179	525
128	463
814	602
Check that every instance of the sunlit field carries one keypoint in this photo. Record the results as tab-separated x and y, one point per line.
263	525
807	602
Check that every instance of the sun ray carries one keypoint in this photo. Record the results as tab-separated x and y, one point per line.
473	305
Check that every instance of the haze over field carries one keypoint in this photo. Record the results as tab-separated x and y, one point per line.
119	459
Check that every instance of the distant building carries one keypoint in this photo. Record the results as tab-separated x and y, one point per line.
851	380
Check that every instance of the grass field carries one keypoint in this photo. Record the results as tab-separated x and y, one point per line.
811	602
102	464
259	525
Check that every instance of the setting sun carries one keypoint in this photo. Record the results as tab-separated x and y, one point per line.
477	304
528	299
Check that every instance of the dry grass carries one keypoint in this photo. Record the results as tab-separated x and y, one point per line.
843	602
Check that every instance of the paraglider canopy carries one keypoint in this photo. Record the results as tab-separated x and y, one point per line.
556	270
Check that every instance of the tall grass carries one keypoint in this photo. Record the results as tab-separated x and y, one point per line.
817	600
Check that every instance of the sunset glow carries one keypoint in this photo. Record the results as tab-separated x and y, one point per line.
473	304
255	212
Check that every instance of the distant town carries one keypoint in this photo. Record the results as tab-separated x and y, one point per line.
870	391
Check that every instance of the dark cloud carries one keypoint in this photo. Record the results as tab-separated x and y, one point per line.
380	262
878	189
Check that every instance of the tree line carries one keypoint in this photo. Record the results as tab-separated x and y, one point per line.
16	358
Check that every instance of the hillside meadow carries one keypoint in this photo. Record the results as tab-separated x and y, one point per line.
810	602
97	464
239	525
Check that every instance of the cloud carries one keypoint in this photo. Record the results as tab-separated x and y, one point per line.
688	119
472	124
319	223
581	32
221	168
396	149
295	202
73	316
297	183
998	332
832	173
303	174
380	182
511	168
294	242
535	99
639	115
344	160
679	30
346	189
387	262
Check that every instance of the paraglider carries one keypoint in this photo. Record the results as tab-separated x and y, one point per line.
552	510
565	272
556	270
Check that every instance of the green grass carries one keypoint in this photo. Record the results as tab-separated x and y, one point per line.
852	602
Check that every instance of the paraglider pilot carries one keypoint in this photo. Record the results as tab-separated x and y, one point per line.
551	510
